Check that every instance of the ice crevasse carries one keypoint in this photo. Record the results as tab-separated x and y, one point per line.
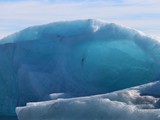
73	59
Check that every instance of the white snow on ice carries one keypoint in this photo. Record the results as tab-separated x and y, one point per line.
129	104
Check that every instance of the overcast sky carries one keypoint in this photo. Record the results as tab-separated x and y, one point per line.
16	15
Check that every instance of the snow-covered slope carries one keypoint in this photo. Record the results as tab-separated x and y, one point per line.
77	58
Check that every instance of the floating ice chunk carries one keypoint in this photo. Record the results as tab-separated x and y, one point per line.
126	104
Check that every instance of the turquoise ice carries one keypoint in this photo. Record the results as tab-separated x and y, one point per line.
78	58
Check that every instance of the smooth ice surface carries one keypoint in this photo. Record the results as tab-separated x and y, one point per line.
128	104
77	58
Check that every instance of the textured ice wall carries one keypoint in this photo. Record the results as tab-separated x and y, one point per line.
78	58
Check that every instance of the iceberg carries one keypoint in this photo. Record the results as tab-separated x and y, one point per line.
64	60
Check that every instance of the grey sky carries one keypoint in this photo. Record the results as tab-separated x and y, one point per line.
16	15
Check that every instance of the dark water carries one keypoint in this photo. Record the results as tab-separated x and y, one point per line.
8	118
